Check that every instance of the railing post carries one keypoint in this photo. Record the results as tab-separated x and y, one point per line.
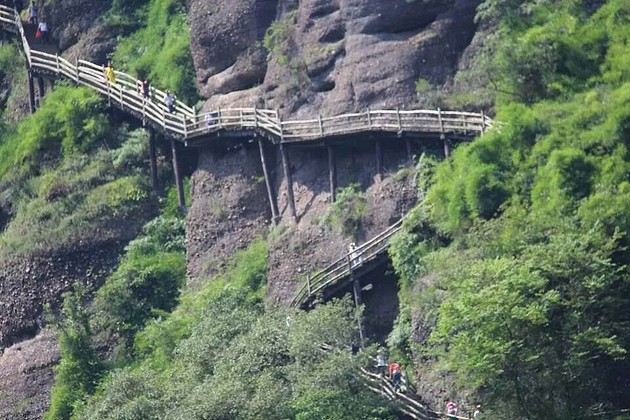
308	284
185	127
321	126
369	117
483	123
440	120
255	118
122	99
280	124
57	63
219	117
399	120
76	62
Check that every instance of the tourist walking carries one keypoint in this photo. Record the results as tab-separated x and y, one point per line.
109	73
146	88
42	28
381	363
32	14
397	379
169	101
451	409
391	368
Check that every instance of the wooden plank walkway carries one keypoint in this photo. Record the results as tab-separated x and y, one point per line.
339	273
186	124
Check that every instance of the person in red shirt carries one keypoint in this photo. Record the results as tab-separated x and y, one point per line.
393	367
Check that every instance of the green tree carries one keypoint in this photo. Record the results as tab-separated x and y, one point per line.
78	373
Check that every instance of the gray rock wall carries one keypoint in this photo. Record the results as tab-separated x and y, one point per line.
340	55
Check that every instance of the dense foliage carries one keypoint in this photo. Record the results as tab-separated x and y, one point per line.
158	45
529	303
219	354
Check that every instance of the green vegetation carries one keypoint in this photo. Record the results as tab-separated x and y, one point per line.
277	40
159	48
13	72
346	212
58	182
517	258
79	370
219	354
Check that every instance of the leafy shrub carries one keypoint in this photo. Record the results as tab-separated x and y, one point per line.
346	212
82	195
160	49
278	37
77	374
68	123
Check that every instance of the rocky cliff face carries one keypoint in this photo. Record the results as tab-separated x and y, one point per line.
230	208
328	56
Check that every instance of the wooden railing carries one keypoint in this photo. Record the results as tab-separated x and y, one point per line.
341	269
186	124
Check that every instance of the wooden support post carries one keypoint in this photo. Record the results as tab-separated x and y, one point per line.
447	146
356	291
483	123
40	90
272	199
321	125
31	91
178	177
153	159
440	120
398	120
379	159
289	179
308	284
369	117
409	152
332	174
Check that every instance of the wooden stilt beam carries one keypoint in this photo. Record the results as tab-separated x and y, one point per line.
409	153
153	159
332	174
289	178
272	199
31	91
40	90
356	291
447	146
379	159
178	177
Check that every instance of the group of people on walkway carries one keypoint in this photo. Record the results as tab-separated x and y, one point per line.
170	99
451	410
36	18
393	373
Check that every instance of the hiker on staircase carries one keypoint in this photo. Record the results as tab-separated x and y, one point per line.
169	101
33	14
42	31
381	363
451	409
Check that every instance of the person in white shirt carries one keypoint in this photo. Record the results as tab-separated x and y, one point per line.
43	28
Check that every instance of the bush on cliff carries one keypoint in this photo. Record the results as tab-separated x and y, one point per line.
528	304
